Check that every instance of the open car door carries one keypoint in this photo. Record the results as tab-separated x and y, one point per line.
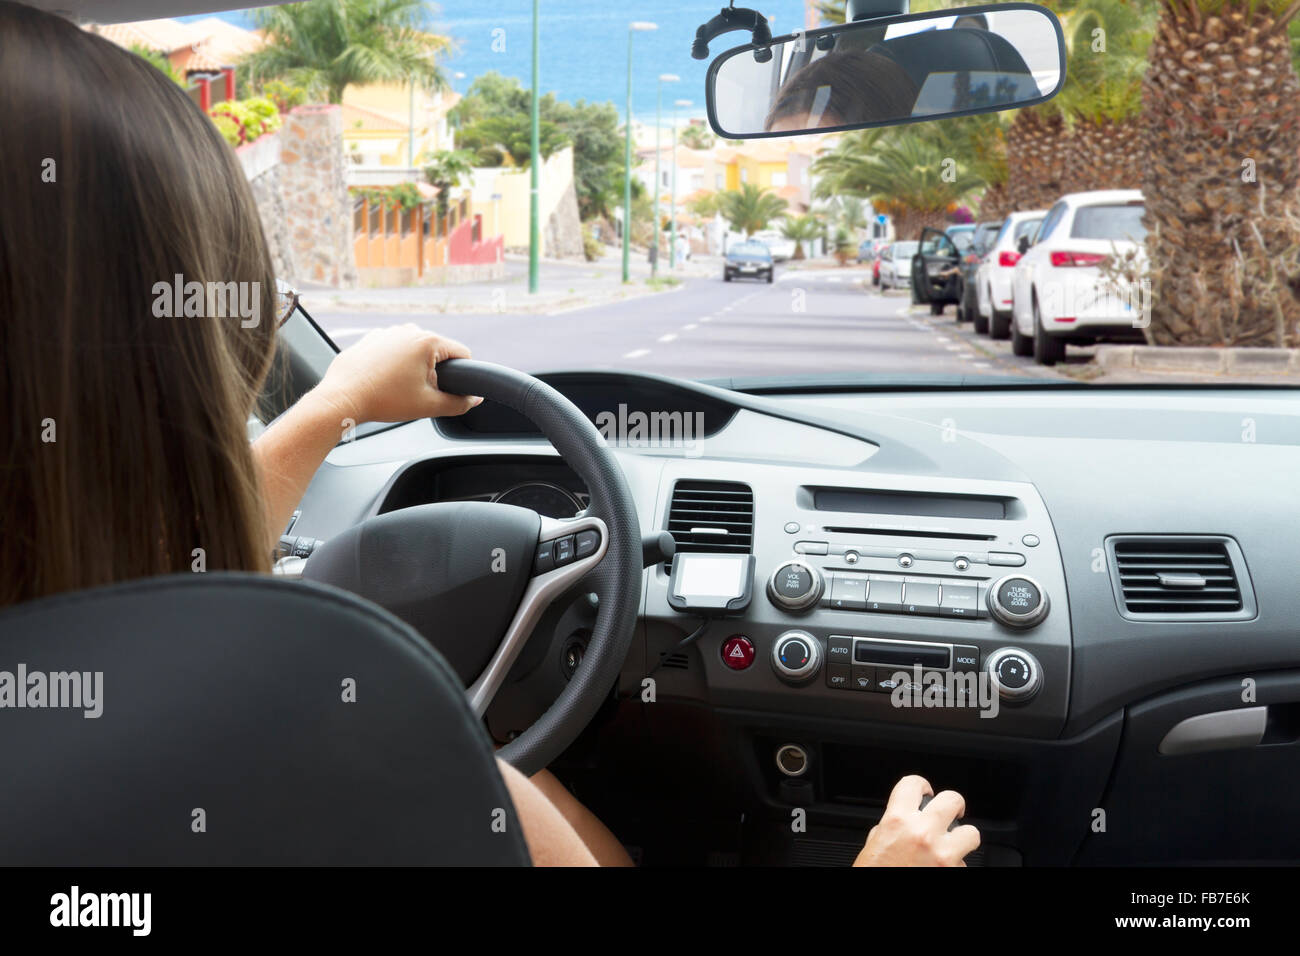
934	268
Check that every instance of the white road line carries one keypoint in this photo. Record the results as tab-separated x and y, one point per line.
954	348
689	326
636	353
942	338
980	365
668	338
705	318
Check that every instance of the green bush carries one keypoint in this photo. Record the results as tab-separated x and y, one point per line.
249	118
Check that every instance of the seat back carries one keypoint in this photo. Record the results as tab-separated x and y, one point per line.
241	720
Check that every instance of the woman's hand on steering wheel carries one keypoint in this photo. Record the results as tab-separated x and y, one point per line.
390	376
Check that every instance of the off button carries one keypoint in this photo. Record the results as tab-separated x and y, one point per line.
737	652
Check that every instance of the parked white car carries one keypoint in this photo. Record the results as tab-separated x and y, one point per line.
777	244
1058	292
896	264
993	277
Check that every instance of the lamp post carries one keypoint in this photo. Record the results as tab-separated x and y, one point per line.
636	26
659	103
534	213
672	206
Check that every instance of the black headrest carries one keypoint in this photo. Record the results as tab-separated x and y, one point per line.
298	724
964	49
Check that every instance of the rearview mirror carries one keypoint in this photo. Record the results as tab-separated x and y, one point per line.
1023	245
888	71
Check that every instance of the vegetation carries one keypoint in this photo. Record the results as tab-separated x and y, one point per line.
1221	144
749	209
446	170
801	229
243	121
493	120
403	196
159	62
328	45
695	136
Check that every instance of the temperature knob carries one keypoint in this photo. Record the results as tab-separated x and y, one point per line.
796	656
795	586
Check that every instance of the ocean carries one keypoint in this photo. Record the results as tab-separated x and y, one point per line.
584	46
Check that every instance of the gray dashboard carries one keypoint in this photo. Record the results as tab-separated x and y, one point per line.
1073	468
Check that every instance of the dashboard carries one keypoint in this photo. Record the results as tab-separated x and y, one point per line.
1047	598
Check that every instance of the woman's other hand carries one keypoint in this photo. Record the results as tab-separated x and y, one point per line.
909	836
389	376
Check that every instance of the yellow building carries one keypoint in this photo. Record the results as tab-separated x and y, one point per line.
378	122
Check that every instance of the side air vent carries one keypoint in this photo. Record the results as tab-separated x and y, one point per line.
1180	578
712	516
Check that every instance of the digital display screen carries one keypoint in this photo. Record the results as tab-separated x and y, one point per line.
710	575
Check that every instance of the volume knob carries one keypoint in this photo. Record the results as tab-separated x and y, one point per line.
795	586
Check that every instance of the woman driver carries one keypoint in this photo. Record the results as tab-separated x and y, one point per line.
125	446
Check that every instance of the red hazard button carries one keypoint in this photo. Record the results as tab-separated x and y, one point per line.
737	652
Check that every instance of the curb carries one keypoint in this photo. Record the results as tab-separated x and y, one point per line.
1239	360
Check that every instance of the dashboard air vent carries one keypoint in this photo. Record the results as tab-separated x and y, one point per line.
1178	577
712	516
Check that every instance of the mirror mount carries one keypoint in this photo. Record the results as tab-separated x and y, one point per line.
871	9
731	18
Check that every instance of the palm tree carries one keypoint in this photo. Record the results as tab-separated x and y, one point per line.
696	137
749	209
328	45
910	173
801	229
1102	99
447	169
1221	143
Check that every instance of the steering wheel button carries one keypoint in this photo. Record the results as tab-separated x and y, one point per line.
737	652
545	558
563	550
586	542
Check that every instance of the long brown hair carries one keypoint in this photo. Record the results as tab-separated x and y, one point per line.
124	448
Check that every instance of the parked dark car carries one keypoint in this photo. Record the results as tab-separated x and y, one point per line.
981	242
749	260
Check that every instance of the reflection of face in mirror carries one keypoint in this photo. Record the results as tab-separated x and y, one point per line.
843	89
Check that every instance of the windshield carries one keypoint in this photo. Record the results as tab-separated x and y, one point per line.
626	263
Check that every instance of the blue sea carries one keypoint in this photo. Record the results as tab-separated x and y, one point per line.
584	45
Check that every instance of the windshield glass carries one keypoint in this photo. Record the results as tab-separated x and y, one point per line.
642	209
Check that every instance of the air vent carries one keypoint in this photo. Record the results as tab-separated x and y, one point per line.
712	516
677	662
1179	578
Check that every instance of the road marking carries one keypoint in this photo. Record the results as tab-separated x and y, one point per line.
705	318
689	326
636	353
348	333
668	338
980	365
954	348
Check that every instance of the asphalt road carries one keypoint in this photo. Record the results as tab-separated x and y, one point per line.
808	322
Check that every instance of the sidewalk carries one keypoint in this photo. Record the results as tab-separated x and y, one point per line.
563	284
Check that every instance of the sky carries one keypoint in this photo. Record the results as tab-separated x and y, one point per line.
584	46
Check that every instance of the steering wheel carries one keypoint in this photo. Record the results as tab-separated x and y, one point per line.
475	577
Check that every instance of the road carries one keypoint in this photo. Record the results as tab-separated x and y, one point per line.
810	321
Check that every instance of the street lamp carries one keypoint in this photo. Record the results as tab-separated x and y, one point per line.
534	145
636	26
659	103
672	208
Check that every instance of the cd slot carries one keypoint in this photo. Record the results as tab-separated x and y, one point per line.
910	533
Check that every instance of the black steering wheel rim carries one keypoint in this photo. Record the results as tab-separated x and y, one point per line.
616	581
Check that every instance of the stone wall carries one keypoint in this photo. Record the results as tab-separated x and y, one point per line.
275	222
562	232
317	208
